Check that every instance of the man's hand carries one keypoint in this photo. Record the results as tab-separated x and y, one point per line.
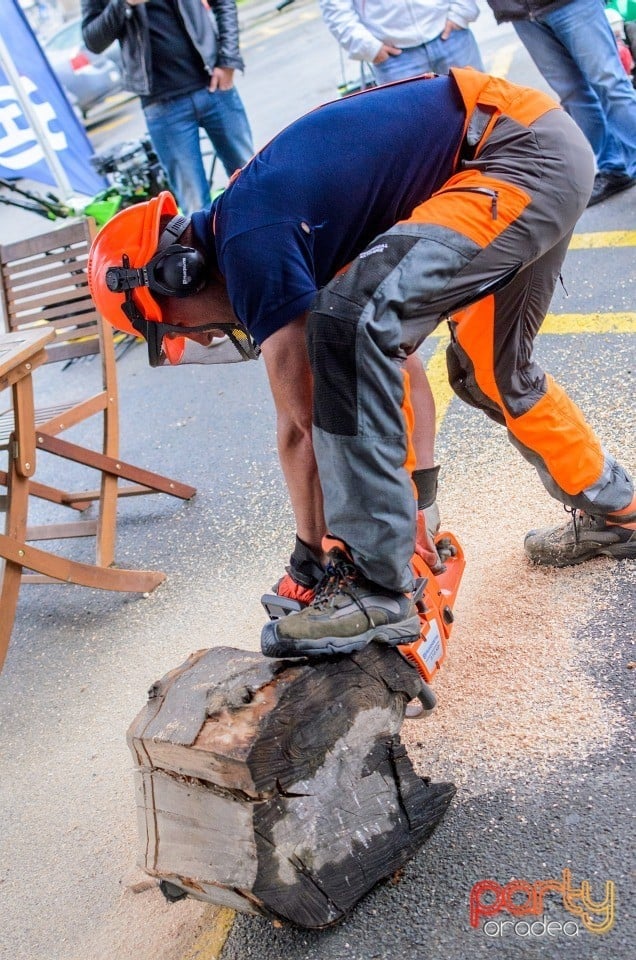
424	543
222	79
448	29
386	51
434	554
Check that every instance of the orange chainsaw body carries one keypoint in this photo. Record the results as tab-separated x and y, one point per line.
435	607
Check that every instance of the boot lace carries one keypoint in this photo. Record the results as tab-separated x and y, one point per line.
582	521
576	521
340	578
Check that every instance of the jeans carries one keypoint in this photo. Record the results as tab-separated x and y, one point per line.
174	127
437	56
575	50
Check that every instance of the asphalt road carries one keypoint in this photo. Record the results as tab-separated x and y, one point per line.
535	699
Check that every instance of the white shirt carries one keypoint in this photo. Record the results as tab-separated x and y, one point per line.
362	26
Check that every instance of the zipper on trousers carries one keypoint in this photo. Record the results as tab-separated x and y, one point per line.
493	194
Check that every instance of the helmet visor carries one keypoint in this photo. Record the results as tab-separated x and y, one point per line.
170	345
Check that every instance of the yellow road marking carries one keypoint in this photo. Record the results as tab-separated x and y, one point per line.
264	31
502	60
611	238
438	378
105	127
209	944
554	323
570	323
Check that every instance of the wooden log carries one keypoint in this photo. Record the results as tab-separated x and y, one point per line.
280	787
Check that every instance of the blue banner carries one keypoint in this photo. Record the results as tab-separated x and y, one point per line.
21	151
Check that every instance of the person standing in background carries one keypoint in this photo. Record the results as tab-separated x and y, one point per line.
180	57
402	40
572	44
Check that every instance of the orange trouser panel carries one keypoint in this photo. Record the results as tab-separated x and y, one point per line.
409	421
477	206
521	103
554	428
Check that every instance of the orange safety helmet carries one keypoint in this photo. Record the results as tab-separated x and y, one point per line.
135	232
130	259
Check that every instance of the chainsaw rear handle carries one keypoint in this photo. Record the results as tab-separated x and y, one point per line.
423	705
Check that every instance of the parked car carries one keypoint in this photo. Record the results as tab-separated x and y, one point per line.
45	16
89	78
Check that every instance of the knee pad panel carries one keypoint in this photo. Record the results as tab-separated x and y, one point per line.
331	344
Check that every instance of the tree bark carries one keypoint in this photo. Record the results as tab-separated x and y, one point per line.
280	787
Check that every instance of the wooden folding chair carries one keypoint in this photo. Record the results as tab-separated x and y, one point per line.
44	283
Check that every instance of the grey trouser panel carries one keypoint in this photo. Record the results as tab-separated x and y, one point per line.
367	320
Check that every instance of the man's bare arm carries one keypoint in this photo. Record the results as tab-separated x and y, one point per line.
287	364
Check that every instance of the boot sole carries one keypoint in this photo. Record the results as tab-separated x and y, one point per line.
389	634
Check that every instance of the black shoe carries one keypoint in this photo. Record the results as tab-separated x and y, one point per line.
607	184
348	613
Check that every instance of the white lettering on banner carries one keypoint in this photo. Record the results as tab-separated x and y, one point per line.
19	147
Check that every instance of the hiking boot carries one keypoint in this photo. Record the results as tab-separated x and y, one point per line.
582	538
607	184
348	613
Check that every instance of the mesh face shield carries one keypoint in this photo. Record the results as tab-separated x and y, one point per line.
234	346
164	350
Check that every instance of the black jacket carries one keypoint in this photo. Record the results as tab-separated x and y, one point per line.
217	40
523	9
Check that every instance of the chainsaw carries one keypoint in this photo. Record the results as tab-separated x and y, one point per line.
434	597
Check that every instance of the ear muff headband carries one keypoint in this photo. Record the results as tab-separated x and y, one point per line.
174	270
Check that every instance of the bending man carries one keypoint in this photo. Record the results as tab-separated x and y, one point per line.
435	194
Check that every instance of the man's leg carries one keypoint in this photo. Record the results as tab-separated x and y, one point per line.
222	115
458	50
411	62
491	366
582	65
174	131
361	412
441	269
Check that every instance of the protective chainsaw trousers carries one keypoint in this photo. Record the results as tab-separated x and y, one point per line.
484	251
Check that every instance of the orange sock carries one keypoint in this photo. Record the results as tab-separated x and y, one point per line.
288	587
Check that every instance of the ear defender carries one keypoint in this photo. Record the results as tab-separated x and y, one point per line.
174	270
177	272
